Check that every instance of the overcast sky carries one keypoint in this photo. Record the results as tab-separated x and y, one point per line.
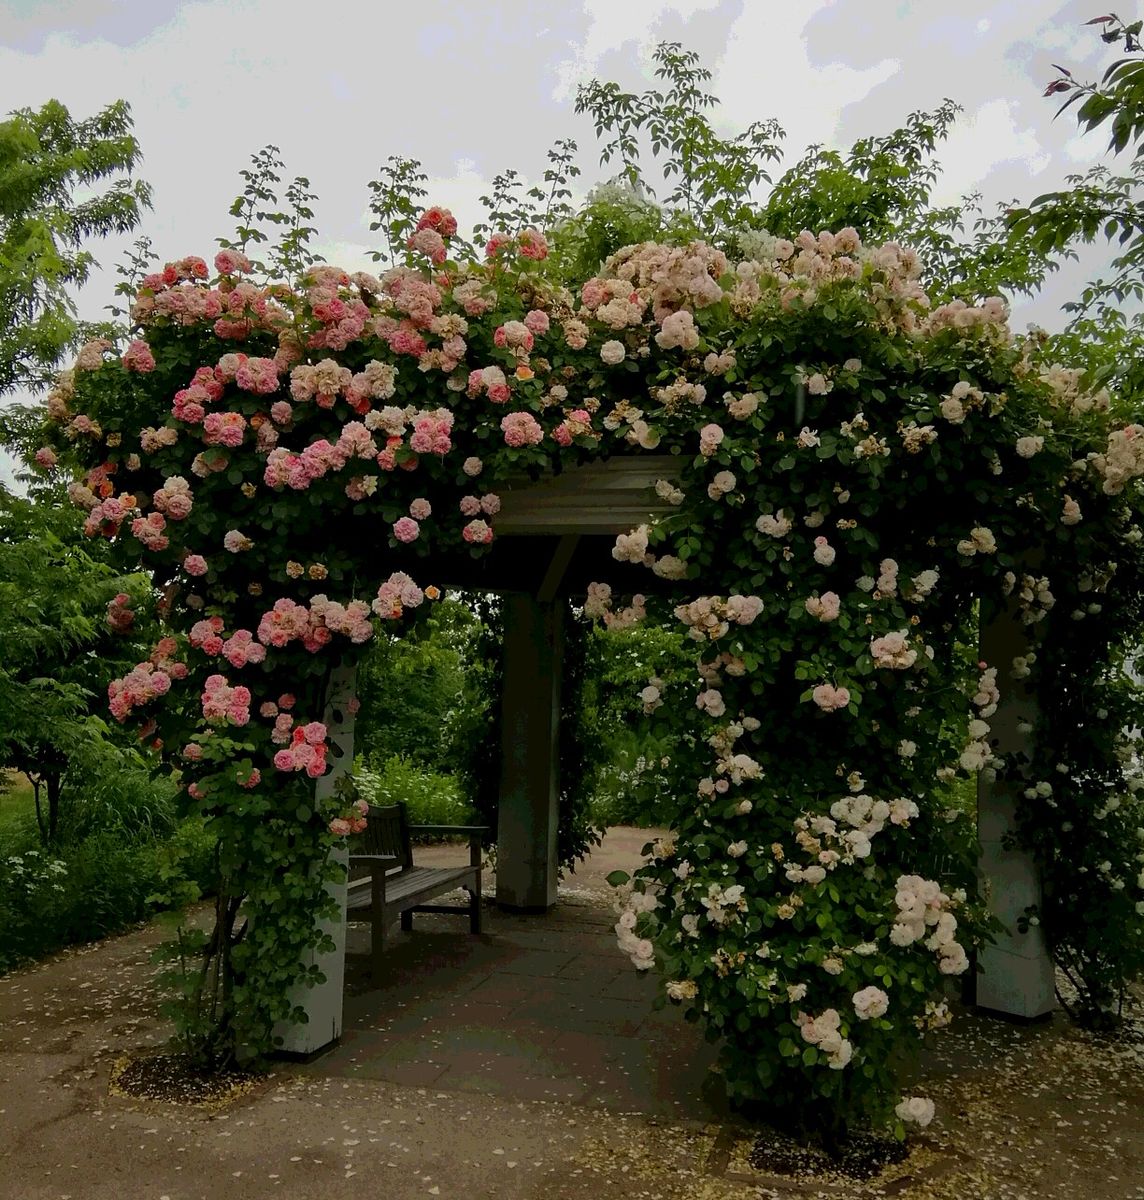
471	87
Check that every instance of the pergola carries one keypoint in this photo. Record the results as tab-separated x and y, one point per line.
553	538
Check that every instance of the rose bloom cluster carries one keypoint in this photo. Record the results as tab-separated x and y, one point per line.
353	821
315	624
223	704
306	751
138	687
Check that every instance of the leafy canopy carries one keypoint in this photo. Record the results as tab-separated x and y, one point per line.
48	161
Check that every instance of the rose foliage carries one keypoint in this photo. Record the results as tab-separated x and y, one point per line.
852	470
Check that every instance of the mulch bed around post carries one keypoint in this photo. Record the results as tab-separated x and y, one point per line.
173	1079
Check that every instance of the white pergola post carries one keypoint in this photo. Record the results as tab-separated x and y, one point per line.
1018	975
323	1002
529	794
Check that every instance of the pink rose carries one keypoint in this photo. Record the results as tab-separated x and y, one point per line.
406	529
478	532
537	321
138	357
314	733
521	429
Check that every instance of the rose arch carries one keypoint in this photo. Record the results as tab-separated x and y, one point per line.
830	483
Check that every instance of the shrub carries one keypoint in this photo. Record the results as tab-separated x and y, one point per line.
633	788
120	853
96	888
31	885
123	798
107	887
190	854
429	797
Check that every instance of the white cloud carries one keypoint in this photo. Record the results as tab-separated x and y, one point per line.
767	71
982	141
611	26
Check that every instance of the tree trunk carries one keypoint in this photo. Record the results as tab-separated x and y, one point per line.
36	782
55	785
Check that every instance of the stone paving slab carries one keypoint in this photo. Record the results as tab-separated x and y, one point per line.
538	1006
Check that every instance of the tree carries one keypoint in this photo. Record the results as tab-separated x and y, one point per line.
1102	336
883	187
46	157
1119	97
713	176
60	646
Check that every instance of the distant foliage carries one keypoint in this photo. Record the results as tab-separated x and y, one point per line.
430	797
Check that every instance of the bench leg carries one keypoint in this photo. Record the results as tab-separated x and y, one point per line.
475	908
407	920
475	890
377	930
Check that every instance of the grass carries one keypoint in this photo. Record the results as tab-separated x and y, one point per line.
16	802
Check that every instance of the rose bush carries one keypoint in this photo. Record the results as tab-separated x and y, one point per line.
852	474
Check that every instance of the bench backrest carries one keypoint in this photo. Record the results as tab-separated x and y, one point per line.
386	832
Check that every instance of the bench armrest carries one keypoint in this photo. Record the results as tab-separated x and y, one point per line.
374	858
474	832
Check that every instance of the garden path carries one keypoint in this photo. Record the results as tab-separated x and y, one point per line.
536	1008
1024	1112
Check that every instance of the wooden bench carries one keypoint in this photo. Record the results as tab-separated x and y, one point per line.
384	884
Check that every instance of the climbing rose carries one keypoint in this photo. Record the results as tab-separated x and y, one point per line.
893	651
479	532
521	429
871	1002
138	357
825	607
710	437
824	552
406	530
829	698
